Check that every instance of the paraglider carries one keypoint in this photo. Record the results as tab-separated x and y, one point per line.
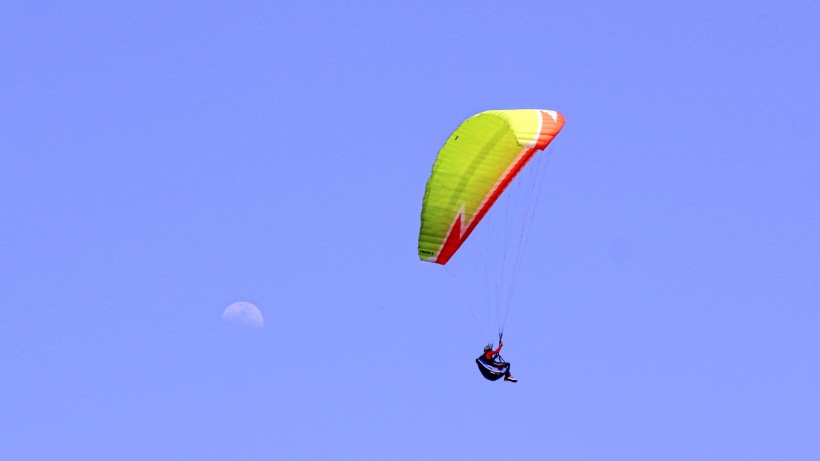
477	163
492	366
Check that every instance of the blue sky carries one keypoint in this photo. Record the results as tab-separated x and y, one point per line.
160	161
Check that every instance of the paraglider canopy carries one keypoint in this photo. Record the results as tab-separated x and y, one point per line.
472	169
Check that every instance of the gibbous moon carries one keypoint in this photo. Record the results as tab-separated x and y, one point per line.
244	313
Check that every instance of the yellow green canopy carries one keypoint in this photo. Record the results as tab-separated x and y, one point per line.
475	165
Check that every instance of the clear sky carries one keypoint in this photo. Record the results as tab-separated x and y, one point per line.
162	160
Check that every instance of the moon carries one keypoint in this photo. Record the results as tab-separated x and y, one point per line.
244	313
